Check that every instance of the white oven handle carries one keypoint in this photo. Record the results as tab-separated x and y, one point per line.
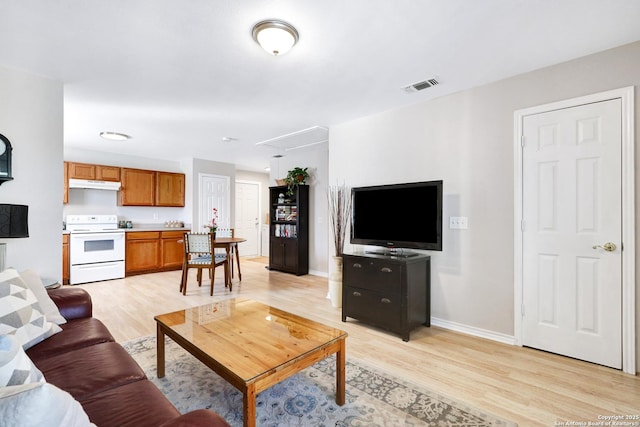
97	236
98	265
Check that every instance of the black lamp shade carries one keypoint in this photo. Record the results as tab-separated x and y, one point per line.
14	221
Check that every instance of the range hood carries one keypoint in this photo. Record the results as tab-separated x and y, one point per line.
93	184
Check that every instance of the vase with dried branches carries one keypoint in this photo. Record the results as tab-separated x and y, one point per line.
339	203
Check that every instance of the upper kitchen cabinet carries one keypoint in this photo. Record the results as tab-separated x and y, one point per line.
81	170
169	189
151	188
138	187
93	172
107	173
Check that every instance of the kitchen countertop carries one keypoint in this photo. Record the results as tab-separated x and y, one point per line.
155	228
159	227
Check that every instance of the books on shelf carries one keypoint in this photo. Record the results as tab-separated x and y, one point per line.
286	213
285	230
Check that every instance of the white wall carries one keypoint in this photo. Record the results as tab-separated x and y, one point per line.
466	139
31	113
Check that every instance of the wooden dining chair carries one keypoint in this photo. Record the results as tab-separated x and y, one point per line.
229	232
199	253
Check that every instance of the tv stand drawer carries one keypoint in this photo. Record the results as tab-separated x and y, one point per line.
377	275
374	308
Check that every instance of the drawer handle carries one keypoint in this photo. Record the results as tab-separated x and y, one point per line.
385	270
385	301
357	294
357	265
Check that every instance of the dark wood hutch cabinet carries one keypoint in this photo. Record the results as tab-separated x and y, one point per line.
289	230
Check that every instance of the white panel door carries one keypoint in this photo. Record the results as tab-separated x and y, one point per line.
572	286
248	217
214	193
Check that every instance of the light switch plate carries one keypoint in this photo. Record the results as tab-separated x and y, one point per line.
458	222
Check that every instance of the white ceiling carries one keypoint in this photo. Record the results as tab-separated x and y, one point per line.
179	75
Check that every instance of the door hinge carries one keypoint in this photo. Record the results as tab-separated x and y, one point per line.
522	143
522	310
522	225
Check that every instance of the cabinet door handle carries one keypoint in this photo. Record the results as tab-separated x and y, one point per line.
385	301
357	265
180	241
385	270
357	294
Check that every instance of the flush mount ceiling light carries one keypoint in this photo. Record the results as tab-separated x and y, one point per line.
275	36
114	136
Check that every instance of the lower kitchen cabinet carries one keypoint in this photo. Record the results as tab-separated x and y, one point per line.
142	252
65	259
172	249
153	251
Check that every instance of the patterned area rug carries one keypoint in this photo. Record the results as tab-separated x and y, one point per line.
373	398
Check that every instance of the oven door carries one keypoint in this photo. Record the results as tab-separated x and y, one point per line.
89	248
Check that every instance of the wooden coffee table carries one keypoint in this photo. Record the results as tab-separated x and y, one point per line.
252	345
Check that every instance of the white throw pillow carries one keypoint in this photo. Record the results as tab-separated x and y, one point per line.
16	368
43	406
50	309
20	313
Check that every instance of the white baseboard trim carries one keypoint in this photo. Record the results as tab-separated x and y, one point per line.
476	332
319	273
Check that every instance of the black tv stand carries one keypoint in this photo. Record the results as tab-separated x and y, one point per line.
396	253
391	293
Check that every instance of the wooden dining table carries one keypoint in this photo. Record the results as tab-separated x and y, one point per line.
228	243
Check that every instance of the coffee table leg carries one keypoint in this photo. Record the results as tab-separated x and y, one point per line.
249	407
160	350
340	373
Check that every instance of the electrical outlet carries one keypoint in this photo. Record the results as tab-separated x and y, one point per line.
155	215
458	222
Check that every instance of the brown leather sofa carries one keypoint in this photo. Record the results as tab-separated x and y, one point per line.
85	361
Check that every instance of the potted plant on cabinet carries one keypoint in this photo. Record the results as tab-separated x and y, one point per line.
295	177
339	203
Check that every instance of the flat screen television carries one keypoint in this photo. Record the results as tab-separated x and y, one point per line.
397	216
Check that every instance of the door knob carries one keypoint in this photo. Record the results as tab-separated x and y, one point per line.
609	247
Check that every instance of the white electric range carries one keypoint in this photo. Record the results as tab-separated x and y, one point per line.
96	248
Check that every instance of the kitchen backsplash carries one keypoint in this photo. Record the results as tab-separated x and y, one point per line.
102	202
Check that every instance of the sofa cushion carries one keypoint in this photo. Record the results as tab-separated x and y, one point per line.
50	310
15	366
75	334
42	406
91	370
20	313
140	403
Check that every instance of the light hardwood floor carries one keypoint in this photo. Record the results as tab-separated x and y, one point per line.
530	387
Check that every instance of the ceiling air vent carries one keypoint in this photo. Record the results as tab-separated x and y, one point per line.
415	87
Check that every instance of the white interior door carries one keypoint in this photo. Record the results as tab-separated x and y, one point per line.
248	217
214	192
572	286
